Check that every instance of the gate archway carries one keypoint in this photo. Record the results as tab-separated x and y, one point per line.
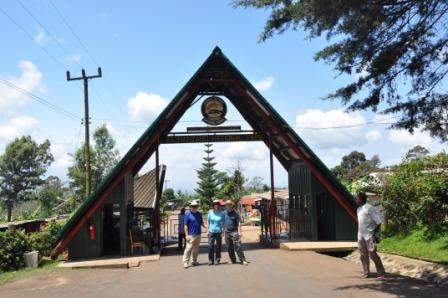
217	76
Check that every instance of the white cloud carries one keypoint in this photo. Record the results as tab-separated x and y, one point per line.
315	127
16	127
405	138
182	160
245	151
264	84
363	73
373	135
73	58
40	38
30	80
62	158
145	106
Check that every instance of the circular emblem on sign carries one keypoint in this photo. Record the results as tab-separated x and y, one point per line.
214	110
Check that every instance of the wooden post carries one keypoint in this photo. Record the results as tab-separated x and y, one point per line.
158	196
272	208
87	158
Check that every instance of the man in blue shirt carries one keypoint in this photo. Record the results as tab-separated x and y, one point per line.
192	227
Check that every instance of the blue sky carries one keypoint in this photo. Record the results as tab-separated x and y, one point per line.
148	50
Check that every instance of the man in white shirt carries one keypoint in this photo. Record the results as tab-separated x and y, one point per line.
369	227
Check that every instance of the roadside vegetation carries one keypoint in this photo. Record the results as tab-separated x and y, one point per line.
14	243
46	266
413	196
415	244
25	194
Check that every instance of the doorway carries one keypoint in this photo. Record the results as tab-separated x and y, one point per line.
325	217
111	229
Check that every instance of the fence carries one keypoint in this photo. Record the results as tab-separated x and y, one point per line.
274	219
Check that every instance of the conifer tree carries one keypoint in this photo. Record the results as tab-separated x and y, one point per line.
207	175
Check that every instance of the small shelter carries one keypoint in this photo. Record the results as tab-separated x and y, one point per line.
118	222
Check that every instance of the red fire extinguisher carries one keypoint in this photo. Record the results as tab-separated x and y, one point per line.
92	233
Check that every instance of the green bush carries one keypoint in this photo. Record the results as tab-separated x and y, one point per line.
416	196
45	240
13	244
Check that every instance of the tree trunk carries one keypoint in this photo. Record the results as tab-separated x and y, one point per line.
9	207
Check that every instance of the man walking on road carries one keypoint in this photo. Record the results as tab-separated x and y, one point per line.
369	227
192	227
233	233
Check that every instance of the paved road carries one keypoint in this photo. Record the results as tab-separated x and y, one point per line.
272	273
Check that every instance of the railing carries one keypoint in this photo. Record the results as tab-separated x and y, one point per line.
169	228
274	220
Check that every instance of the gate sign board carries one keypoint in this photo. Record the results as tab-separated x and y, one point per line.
212	138
217	76
214	110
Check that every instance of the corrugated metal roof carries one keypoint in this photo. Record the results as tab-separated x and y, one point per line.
282	194
145	189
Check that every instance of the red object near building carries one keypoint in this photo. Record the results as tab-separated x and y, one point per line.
92	232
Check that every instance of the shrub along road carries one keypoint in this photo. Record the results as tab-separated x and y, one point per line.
271	273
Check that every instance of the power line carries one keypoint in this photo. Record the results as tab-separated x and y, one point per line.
73	32
29	35
147	122
89	54
78	139
32	38
41	100
53	38
60	45
134	124
341	127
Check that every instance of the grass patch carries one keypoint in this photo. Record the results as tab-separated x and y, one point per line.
414	245
45	267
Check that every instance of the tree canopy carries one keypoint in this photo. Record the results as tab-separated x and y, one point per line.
355	166
50	194
104	156
395	51
416	153
22	166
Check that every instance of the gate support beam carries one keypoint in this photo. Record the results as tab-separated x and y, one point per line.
272	211
158	196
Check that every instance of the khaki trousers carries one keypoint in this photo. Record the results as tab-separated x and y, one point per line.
192	249
367	250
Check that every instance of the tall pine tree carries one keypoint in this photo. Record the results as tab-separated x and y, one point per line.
238	180
208	182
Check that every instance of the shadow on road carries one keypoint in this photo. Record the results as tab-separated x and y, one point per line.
401	287
203	248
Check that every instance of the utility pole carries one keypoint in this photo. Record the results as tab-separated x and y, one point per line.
86	123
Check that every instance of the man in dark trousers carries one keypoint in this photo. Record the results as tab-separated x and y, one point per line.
181	231
233	233
369	227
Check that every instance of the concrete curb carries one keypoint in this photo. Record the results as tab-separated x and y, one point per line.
127	262
424	270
